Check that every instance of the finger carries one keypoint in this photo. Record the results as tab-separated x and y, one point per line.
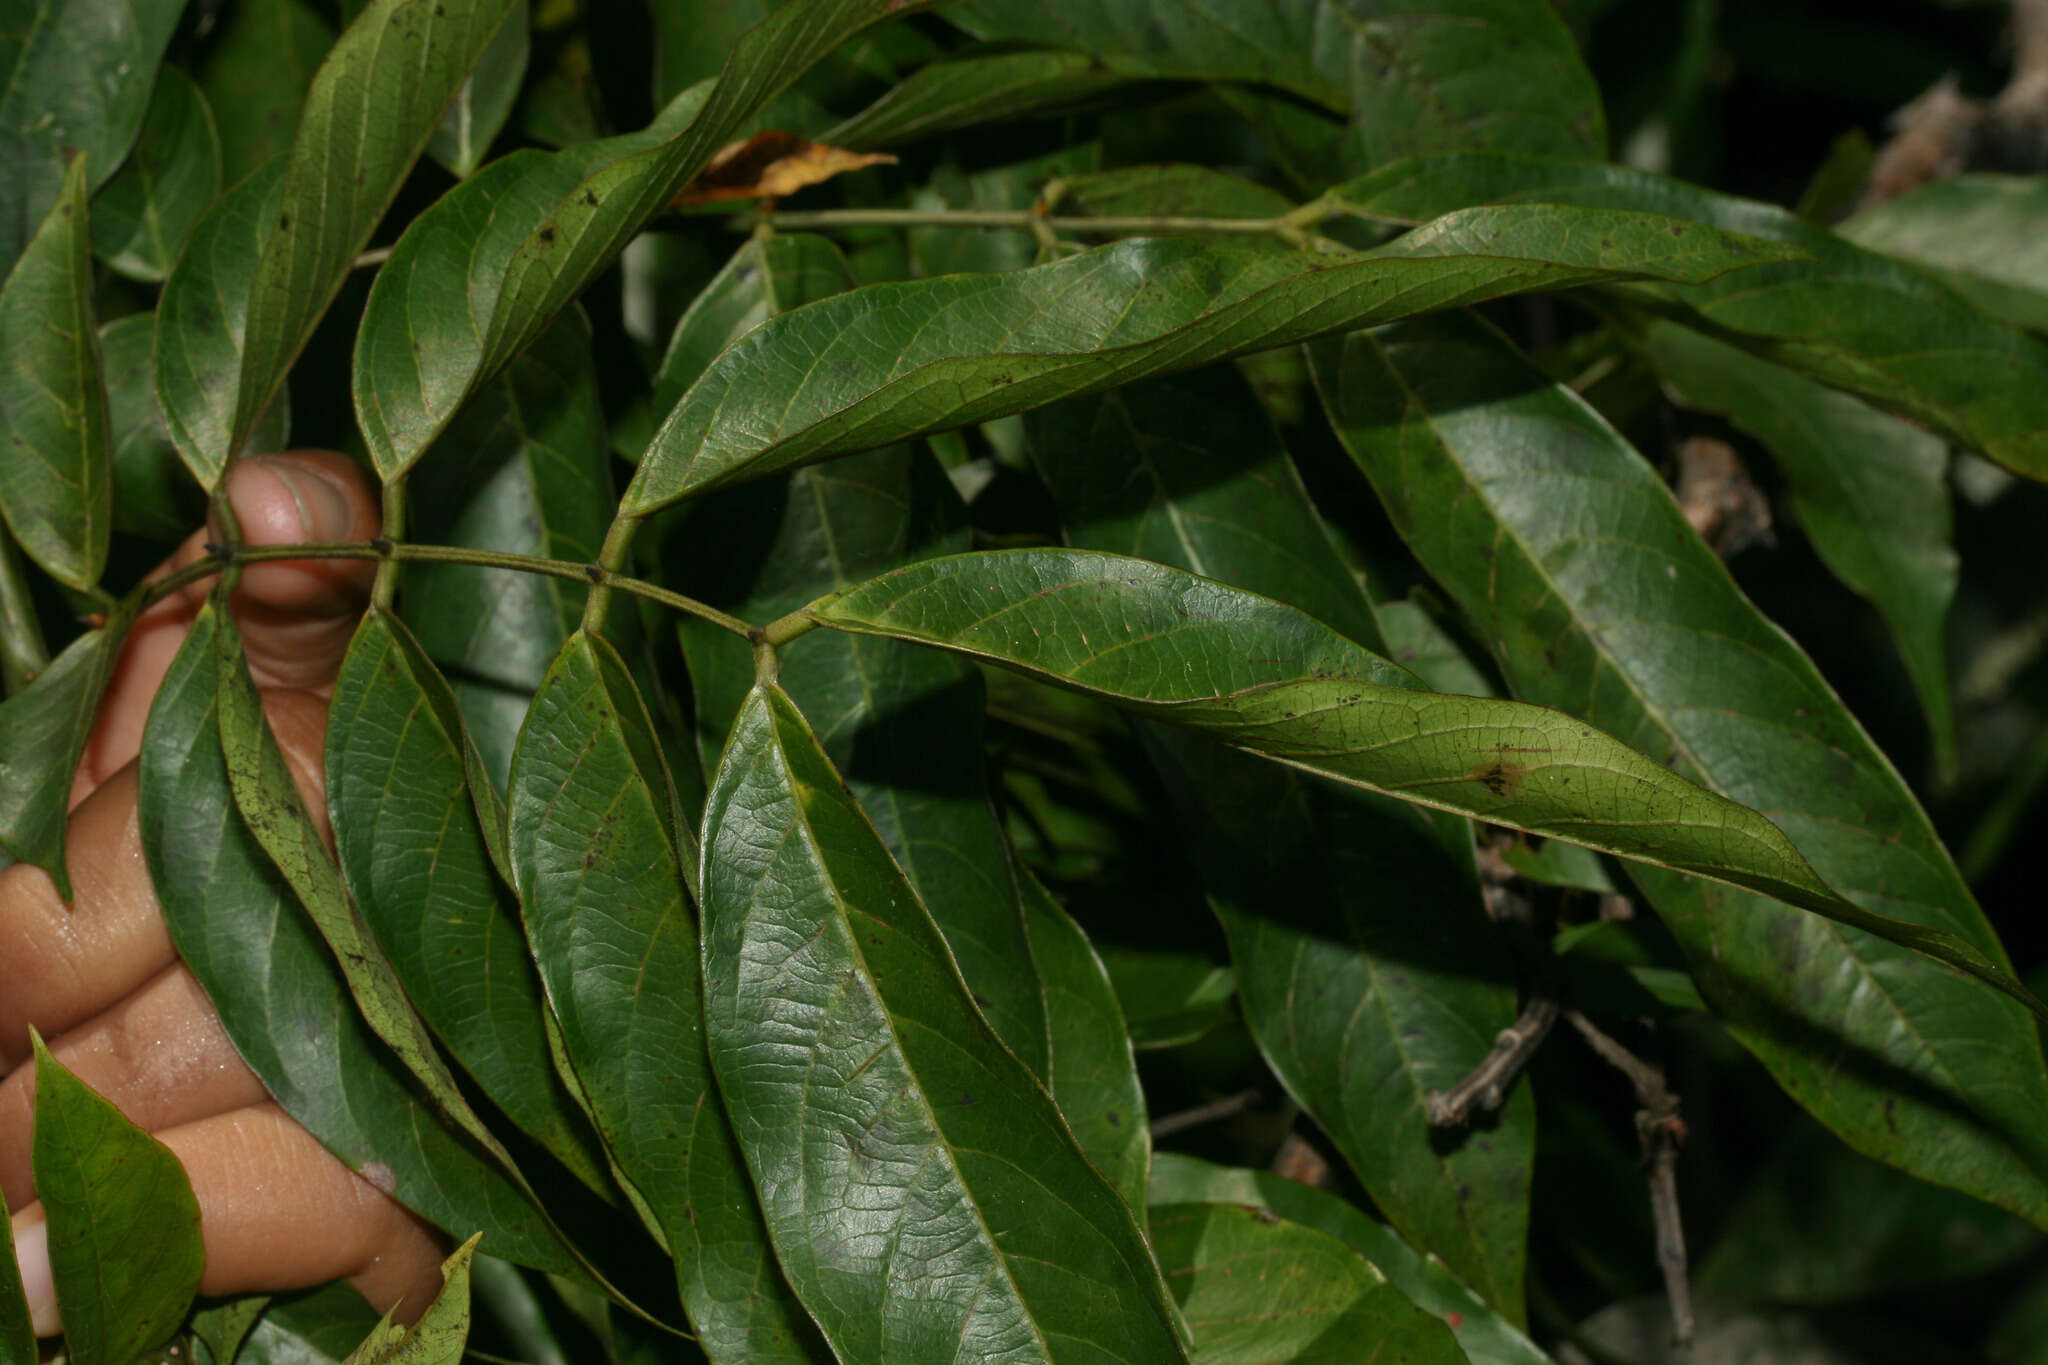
295	615
161	1057
277	1211
65	964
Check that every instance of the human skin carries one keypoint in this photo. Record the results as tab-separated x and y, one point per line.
101	982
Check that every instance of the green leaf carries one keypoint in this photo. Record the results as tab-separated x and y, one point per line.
56	476
17	1330
1486	1337
415	862
1262	676
281	997
77	82
268	797
441	1333
525	471
220	1330
201	319
1979	233
1091	1069
975	88
481	274
43	730
1168	998
1412	77
1819	1224
1580	574
144	214
888	1130
1256	1289
1175	191
485	101
1847	317
154	495
373	105
603	870
256	75
892	361
898	718
315	1328
1351	916
1871	492
123	1225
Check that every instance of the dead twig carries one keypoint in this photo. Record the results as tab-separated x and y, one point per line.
1204	1113
1486	1088
1661	1132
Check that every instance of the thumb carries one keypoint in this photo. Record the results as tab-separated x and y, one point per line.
297	615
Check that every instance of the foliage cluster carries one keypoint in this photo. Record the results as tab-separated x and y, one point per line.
1164	601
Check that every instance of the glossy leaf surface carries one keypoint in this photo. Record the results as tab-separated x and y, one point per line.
440	1334
56	475
1408	76
1820	1224
1091	1069
525	470
43	730
1351	916
1262	676
1870	490
1582	577
267	794
76	83
603	867
102	1182
1484	1336
888	1131
142	216
1980	233
1847	317
280	995
416	864
901	360
258	71
373	104
1258	1289
485	100
201	318
894	719
17	1331
155	496
975	88
479	276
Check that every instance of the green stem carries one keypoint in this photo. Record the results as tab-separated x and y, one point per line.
22	652
385	590
783	629
443	554
611	562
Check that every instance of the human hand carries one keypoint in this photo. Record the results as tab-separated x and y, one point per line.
101	981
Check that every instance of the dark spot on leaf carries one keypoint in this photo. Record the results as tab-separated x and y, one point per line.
1678	229
590	198
981	1000
1607	244
547	235
1112	1118
284	222
967	1101
1891	1102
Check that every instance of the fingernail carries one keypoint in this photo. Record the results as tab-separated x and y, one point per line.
325	512
32	1256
